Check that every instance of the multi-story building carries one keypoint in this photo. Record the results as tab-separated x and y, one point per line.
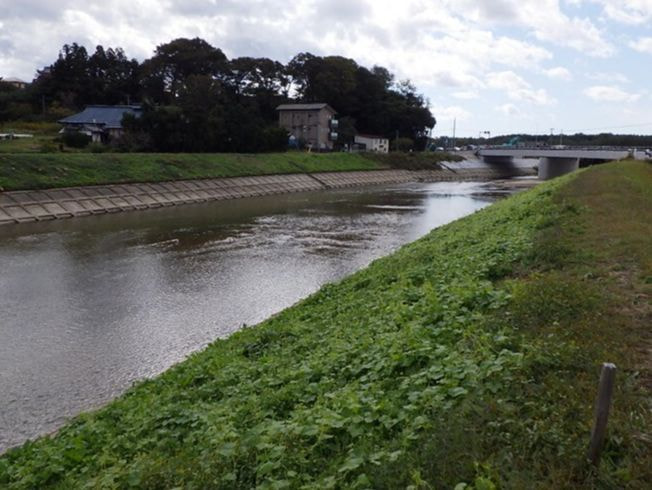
313	124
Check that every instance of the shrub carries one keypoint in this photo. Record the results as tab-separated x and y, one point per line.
98	148
75	139
48	147
402	144
274	139
131	141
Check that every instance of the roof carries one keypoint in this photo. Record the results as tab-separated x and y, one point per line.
305	107
12	80
110	116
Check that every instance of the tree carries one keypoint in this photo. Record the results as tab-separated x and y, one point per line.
164	75
113	77
67	79
76	79
262	79
331	79
202	107
370	97
14	103
408	111
346	130
198	100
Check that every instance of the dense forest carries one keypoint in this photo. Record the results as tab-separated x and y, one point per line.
196	99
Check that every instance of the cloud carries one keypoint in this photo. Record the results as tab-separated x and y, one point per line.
545	20
462	53
643	45
578	34
510	110
34	9
466	94
416	39
449	113
517	88
343	10
608	77
559	73
632	12
606	93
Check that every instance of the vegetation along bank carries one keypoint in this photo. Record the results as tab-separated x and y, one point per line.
468	357
49	170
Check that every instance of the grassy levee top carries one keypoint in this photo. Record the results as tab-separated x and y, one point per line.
469	356
21	171
45	170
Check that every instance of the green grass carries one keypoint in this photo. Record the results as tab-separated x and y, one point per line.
469	357
45	170
42	140
415	160
37	163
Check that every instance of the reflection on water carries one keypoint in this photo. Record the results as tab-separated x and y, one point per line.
88	306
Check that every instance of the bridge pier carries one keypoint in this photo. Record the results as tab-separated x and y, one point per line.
551	167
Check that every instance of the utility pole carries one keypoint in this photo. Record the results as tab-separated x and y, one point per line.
454	124
561	136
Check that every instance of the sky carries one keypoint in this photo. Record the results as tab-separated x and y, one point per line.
504	66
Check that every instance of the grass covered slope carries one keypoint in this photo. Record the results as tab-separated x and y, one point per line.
46	170
471	355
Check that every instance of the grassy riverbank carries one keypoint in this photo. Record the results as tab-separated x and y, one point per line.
44	170
471	355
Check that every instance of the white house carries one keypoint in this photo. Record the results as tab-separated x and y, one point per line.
16	82
372	142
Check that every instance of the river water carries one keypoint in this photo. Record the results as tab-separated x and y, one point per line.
88	306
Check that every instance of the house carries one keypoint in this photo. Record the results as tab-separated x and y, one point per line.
16	82
313	124
372	142
100	122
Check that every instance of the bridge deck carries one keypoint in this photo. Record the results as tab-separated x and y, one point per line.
583	153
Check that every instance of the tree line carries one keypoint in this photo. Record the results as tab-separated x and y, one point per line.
196	99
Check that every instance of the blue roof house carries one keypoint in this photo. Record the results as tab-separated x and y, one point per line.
100	122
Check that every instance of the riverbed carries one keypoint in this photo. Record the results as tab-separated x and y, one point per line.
88	307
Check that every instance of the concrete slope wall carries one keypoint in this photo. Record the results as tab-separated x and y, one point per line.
40	205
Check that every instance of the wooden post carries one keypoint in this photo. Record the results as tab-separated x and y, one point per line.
602	404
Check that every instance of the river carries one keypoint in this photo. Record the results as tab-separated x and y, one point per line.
89	306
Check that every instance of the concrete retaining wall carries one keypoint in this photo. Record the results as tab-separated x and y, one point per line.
29	206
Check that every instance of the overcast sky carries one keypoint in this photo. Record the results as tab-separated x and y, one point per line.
494	65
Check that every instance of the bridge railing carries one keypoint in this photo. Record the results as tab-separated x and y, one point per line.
565	147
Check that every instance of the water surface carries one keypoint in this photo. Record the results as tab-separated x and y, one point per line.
90	305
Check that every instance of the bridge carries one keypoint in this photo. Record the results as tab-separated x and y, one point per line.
554	161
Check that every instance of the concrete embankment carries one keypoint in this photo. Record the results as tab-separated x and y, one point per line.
41	205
